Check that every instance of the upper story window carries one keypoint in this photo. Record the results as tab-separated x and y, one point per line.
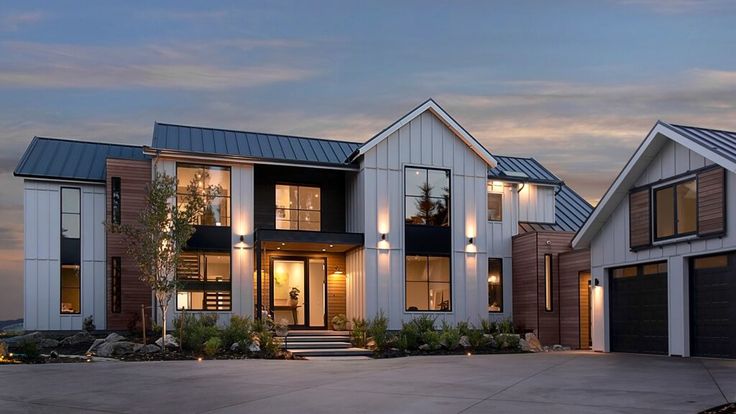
675	210
70	283
217	209
298	208
495	206
70	213
427	196
116	201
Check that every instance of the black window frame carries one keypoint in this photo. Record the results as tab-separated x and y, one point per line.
116	279
673	185
297	210
449	283
449	195
548	283
228	197
488	215
72	243
115	200
500	283
203	285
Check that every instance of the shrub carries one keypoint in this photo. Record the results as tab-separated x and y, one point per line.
239	330
211	346
431	338
263	336
88	324
487	326
377	328
339	322
464	328
409	336
359	334
505	326
477	339
196	330
424	323
29	350
508	341
450	336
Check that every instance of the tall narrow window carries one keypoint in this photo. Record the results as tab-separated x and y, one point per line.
70	273
675	210
116	284
548	282
116	201
298	208
217	207
427	197
495	206
428	286
495	285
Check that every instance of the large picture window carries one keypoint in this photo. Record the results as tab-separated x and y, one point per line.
298	208
428	284
495	285
70	280
205	282
675	212
427	197
217	209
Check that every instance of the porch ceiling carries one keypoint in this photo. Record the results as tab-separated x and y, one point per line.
310	241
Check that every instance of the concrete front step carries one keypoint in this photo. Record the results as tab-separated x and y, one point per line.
314	332
324	338
331	352
317	345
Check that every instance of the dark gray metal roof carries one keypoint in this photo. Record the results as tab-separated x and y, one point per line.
269	147
721	142
72	160
571	209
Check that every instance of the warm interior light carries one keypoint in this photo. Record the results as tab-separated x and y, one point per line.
493	279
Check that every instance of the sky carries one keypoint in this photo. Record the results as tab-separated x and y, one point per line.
575	84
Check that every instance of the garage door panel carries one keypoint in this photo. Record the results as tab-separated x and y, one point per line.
713	306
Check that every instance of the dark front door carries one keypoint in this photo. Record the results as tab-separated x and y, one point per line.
638	305
713	306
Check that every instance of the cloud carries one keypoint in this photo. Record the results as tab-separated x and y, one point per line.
682	6
214	66
14	21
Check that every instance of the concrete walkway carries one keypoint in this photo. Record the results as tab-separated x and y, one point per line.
569	382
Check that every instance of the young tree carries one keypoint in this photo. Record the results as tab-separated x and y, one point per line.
155	240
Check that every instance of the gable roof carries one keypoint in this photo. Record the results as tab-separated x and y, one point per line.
252	145
449	121
715	145
56	158
571	210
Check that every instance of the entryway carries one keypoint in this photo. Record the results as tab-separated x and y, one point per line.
713	306
584	306
299	292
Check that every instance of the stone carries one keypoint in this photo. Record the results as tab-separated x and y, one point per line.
113	337
170	341
557	347
235	347
464	342
371	344
104	349
524	345
149	349
95	345
534	344
108	349
34	337
77	338
254	347
425	347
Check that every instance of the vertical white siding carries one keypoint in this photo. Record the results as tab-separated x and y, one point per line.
355	284
610	248
499	234
537	203
42	284
424	141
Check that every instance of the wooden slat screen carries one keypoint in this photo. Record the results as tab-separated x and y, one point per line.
640	225
711	202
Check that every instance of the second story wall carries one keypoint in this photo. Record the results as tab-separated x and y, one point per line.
537	203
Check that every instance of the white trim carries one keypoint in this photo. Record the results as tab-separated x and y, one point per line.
229	159
430	105
646	152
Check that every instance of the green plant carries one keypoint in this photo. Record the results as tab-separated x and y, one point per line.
508	341
450	336
359	334
294	293
477	339
29	351
409	336
211	346
88	324
339	322
196	330
464	327
431	339
378	330
424	323
505	326
239	330
487	326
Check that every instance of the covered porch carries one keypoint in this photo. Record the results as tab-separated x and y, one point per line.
300	275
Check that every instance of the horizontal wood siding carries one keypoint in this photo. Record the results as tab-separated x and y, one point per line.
640	218
571	264
549	321
524	280
711	202
134	178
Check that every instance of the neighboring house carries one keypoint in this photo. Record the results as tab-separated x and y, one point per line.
418	220
662	247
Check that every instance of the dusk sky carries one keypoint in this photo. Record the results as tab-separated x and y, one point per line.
576	85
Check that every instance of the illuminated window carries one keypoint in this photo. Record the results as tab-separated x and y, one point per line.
217	179
428	283
495	285
495	206
548	282
298	208
205	282
70	273
427	197
676	210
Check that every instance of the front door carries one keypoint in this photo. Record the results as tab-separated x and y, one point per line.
298	293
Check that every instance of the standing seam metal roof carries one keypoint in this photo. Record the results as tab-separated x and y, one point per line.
72	160
721	142
252	144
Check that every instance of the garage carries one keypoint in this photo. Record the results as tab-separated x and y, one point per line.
638	305
713	306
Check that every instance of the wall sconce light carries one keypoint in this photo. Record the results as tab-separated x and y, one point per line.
597	282
242	238
383	236
338	271
241	242
471	240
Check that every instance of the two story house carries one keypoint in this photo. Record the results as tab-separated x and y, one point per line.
663	247
420	219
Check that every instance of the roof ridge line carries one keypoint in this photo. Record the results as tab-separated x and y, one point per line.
697	127
80	141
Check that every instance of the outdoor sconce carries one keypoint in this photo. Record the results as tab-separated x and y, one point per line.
241	243
470	240
383	236
242	238
597	282
383	243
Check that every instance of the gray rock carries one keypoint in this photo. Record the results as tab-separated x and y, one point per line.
464	342
77	338
103	350
254	347
34	337
113	337
524	345
48	343
95	345
235	347
371	344
149	349
170	341
118	348
533	341
425	347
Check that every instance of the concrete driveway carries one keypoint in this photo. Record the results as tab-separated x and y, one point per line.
569	382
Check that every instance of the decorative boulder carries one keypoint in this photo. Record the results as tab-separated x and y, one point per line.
149	349
118	348
170	342
371	344
48	343
464	342
77	338
235	347
96	344
533	341
34	337
425	347
113	337
254	347
524	345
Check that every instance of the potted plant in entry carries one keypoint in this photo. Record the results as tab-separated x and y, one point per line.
294	296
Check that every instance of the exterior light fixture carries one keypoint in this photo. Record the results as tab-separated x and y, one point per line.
597	282
332	245
283	244
470	240
242	238
324	250
383	236
338	271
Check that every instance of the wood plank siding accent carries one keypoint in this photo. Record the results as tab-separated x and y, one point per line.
134	177
524	280
712	202
573	296
640	226
336	293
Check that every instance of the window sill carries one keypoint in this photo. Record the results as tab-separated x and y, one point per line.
407	312
672	240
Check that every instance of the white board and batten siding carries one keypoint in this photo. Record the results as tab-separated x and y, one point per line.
423	142
610	247
42	267
537	203
242	260
499	234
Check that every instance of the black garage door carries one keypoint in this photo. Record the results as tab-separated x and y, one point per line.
638	304
713	306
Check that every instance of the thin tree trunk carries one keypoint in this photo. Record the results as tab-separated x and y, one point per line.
164	310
